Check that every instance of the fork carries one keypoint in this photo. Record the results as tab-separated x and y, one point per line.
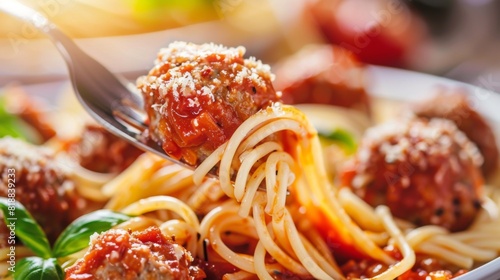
104	95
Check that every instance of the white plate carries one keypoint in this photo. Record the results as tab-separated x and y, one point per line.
400	85
405	85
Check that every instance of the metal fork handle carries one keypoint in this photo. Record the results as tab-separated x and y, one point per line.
27	14
70	51
117	107
83	69
43	24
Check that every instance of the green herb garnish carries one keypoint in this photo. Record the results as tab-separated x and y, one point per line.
75	237
341	137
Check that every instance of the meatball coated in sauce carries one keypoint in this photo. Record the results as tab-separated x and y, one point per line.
43	185
121	255
100	151
197	95
32	111
323	74
455	107
425	171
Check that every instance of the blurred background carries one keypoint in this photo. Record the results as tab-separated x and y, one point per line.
459	39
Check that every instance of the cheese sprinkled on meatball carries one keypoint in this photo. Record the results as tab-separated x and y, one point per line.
196	96
426	171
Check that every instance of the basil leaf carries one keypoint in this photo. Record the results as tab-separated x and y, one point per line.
15	127
342	137
36	268
19	220
76	236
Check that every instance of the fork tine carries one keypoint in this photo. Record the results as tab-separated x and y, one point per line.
130	117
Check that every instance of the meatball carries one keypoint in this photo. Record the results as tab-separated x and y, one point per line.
100	151
381	32
119	254
425	171
197	95
323	74
455	107
32	111
43	185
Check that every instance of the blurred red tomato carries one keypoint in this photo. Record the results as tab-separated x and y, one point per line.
382	32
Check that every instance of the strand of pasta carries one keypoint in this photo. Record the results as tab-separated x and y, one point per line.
138	223
208	191
277	184
169	179
420	239
89	184
185	230
305	258
263	270
221	212
143	163
267	239
445	254
132	180
492	227
377	253
204	168
183	233
154	203
408	254
91	193
459	247
267	130
330	268
227	220
260	262
326	197
317	242
169	183
476	235
248	162
464	249
277	168
252	186
379	238
359	210
239	260
421	234
491	242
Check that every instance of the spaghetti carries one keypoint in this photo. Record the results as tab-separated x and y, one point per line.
277	228
274	212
